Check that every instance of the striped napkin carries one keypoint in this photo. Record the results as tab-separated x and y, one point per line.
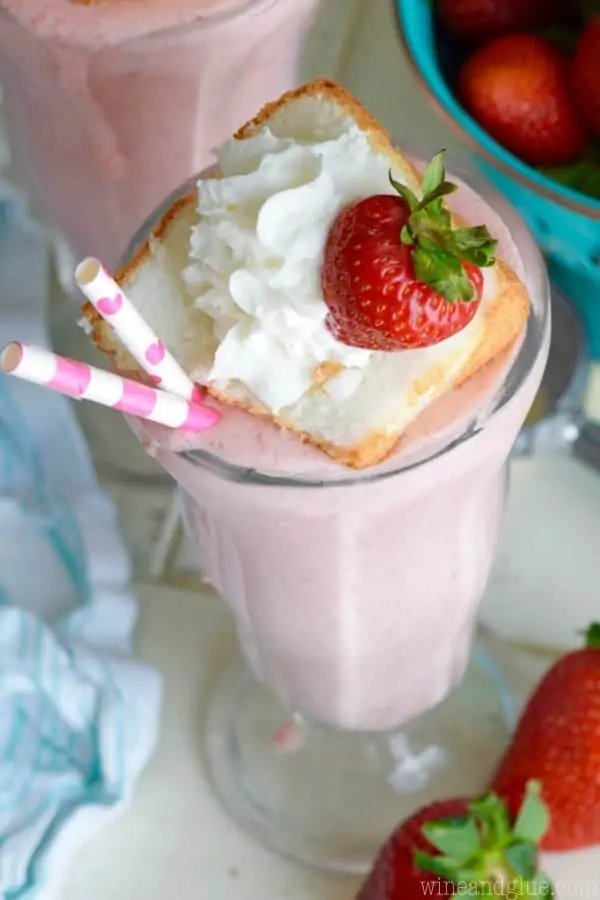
78	715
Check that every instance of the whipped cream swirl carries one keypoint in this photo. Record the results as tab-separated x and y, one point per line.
257	253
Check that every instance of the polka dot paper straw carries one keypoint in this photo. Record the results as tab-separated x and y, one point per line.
132	330
76	379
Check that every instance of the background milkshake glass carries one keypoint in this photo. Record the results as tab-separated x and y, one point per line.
109	107
355	596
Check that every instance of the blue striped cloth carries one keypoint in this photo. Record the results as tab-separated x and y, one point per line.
78	715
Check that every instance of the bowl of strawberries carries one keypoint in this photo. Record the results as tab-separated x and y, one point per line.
519	81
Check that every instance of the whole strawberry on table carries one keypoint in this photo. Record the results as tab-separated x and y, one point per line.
557	741
464	847
545	794
528	71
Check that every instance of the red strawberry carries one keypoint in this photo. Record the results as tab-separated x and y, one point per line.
558	742
586	75
517	88
482	20
455	846
396	275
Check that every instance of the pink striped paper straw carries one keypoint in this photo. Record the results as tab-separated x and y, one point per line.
132	330
76	379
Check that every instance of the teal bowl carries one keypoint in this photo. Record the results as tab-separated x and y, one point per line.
565	222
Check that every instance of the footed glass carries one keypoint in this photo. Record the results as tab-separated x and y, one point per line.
358	696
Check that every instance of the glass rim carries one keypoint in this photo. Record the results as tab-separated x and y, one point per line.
536	331
236	9
209	21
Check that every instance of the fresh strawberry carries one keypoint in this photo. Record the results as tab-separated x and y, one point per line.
586	75
396	274
517	88
482	20
557	741
457	846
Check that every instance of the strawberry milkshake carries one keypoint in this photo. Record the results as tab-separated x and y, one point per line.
373	357
110	105
334	574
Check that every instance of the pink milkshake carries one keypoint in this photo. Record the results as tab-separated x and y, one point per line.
110	106
354	593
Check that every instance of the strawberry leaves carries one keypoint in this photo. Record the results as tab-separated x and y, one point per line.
590	8
434	174
583	176
482	851
533	818
440	249
592	636
456	837
442	270
473	244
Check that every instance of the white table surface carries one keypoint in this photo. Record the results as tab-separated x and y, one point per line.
175	841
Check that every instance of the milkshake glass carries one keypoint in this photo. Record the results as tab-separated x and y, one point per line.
355	597
109	107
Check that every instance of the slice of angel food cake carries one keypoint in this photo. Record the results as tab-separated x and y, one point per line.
322	284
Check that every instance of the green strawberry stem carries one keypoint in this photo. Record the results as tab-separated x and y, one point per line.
592	636
485	854
590	8
563	37
582	176
439	249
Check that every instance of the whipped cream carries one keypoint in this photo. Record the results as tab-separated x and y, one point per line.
258	251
